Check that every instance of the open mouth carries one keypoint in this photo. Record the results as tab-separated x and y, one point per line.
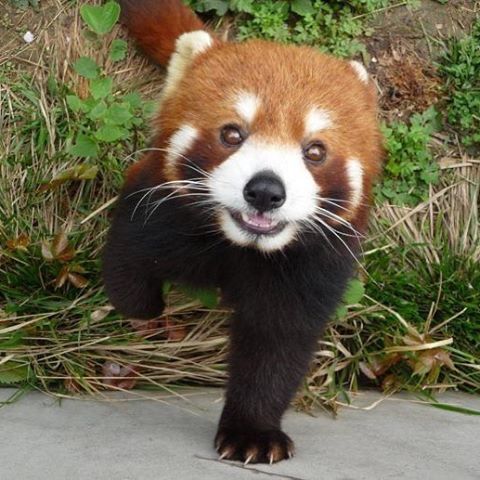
257	223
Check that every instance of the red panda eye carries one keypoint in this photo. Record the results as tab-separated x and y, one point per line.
315	152
231	135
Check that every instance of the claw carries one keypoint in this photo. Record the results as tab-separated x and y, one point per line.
224	454
271	458
249	459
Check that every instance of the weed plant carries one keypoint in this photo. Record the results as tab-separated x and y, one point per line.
460	67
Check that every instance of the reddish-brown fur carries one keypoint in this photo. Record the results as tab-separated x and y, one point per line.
281	300
157	24
289	80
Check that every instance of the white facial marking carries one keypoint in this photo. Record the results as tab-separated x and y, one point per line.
247	105
232	231
269	243
228	180
355	178
187	47
180	142
316	120
360	70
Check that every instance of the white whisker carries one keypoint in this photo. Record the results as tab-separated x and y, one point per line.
333	203
340	220
334	232
317	228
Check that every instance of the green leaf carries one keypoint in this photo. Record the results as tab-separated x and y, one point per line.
75	104
149	108
85	146
167	286
110	133
87	172
341	311
220	6
354	292
207	297
102	18
23	4
118	50
13	372
101	87
133	99
78	172
52	85
98	111
302	7
241	6
86	67
455	408
13	340
118	114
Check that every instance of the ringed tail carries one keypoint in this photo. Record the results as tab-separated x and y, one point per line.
155	25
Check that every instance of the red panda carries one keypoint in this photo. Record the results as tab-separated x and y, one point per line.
258	181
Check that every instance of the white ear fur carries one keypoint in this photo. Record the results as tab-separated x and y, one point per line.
360	70
188	46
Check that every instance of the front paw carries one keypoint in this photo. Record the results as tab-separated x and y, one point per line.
253	446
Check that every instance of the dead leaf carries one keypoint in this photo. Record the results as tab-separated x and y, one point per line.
390	383
59	243
367	371
19	243
77	280
47	253
118	376
72	385
62	277
443	357
70	273
432	359
174	331
76	173
58	249
101	313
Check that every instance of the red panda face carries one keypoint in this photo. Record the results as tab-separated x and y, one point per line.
286	139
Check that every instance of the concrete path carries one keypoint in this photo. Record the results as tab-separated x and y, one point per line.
41	439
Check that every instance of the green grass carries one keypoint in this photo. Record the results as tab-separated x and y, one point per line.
68	134
452	288
460	67
334	27
410	168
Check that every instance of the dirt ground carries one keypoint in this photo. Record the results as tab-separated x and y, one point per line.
402	50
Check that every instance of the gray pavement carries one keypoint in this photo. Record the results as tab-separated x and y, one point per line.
41	438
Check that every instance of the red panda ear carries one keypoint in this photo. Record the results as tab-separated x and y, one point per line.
362	75
187	47
361	71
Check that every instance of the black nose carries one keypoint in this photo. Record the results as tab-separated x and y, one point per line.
265	191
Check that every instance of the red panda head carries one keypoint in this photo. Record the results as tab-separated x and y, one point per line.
280	139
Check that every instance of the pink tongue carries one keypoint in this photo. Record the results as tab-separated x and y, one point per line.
259	219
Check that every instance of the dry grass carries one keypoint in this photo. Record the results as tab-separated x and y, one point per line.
65	336
450	215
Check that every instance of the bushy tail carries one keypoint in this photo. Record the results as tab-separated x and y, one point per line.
156	24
